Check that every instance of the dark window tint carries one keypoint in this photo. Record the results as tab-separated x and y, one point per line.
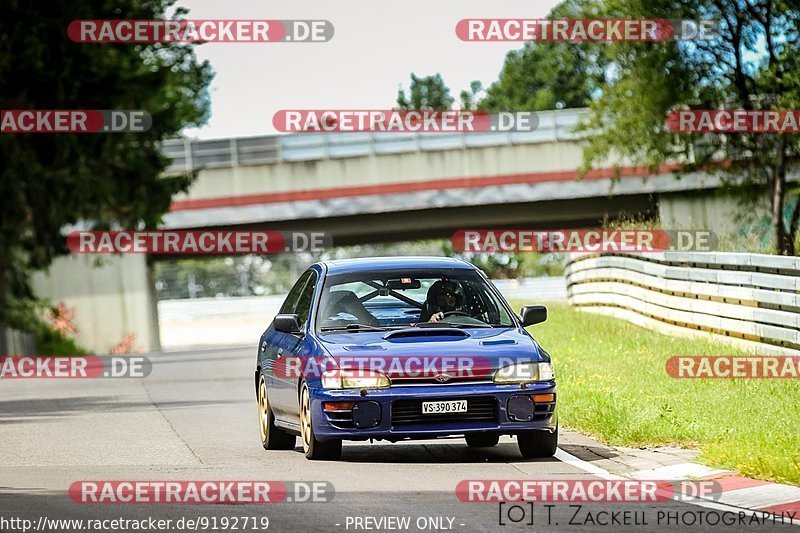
304	302
289	305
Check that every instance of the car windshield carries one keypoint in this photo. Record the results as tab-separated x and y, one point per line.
365	301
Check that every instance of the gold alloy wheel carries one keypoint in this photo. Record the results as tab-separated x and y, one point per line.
305	419
263	410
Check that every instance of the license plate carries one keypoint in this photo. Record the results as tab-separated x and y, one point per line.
435	408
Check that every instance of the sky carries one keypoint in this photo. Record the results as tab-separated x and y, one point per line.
375	48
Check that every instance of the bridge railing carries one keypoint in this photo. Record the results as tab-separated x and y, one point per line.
189	154
747	296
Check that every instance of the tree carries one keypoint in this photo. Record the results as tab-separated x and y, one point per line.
470	98
752	65
545	75
428	92
538	77
51	181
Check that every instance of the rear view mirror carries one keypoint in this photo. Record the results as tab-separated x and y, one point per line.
533	314
403	283
287	324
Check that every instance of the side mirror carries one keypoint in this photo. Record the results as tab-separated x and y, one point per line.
287	324
533	314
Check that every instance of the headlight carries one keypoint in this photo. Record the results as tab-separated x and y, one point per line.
525	373
547	372
343	379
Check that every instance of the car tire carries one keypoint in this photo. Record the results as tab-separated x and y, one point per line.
314	449
272	437
538	443
482	440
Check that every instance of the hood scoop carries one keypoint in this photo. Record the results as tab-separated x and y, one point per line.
498	342
443	333
363	347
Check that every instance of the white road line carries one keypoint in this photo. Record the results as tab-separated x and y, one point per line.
586	466
595	470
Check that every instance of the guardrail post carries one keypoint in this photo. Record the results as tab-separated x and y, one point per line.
187	154
234	152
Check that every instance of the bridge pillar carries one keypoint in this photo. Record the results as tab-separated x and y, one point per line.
113	299
711	210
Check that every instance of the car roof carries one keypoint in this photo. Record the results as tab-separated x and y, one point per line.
339	266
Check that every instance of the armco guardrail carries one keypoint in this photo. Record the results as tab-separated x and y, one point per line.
747	296
270	149
533	290
14	342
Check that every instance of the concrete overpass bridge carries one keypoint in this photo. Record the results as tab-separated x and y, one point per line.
380	187
375	187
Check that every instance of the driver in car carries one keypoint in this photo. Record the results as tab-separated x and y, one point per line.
443	297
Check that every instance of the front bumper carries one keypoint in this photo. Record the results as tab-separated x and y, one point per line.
393	426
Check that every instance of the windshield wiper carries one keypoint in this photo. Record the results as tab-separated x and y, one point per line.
358	327
452	325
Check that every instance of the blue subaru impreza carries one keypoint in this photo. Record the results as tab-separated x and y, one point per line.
402	348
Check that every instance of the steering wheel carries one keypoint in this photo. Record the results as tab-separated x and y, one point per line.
452	313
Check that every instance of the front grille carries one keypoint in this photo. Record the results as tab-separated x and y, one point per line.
479	409
430	380
543	411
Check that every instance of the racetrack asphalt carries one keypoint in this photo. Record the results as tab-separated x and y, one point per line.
194	418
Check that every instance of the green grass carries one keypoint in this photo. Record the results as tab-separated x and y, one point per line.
613	385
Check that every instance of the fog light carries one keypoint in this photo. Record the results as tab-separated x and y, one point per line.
337	406
543	398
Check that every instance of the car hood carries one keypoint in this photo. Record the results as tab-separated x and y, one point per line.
427	353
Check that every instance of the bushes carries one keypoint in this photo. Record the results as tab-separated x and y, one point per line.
29	315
